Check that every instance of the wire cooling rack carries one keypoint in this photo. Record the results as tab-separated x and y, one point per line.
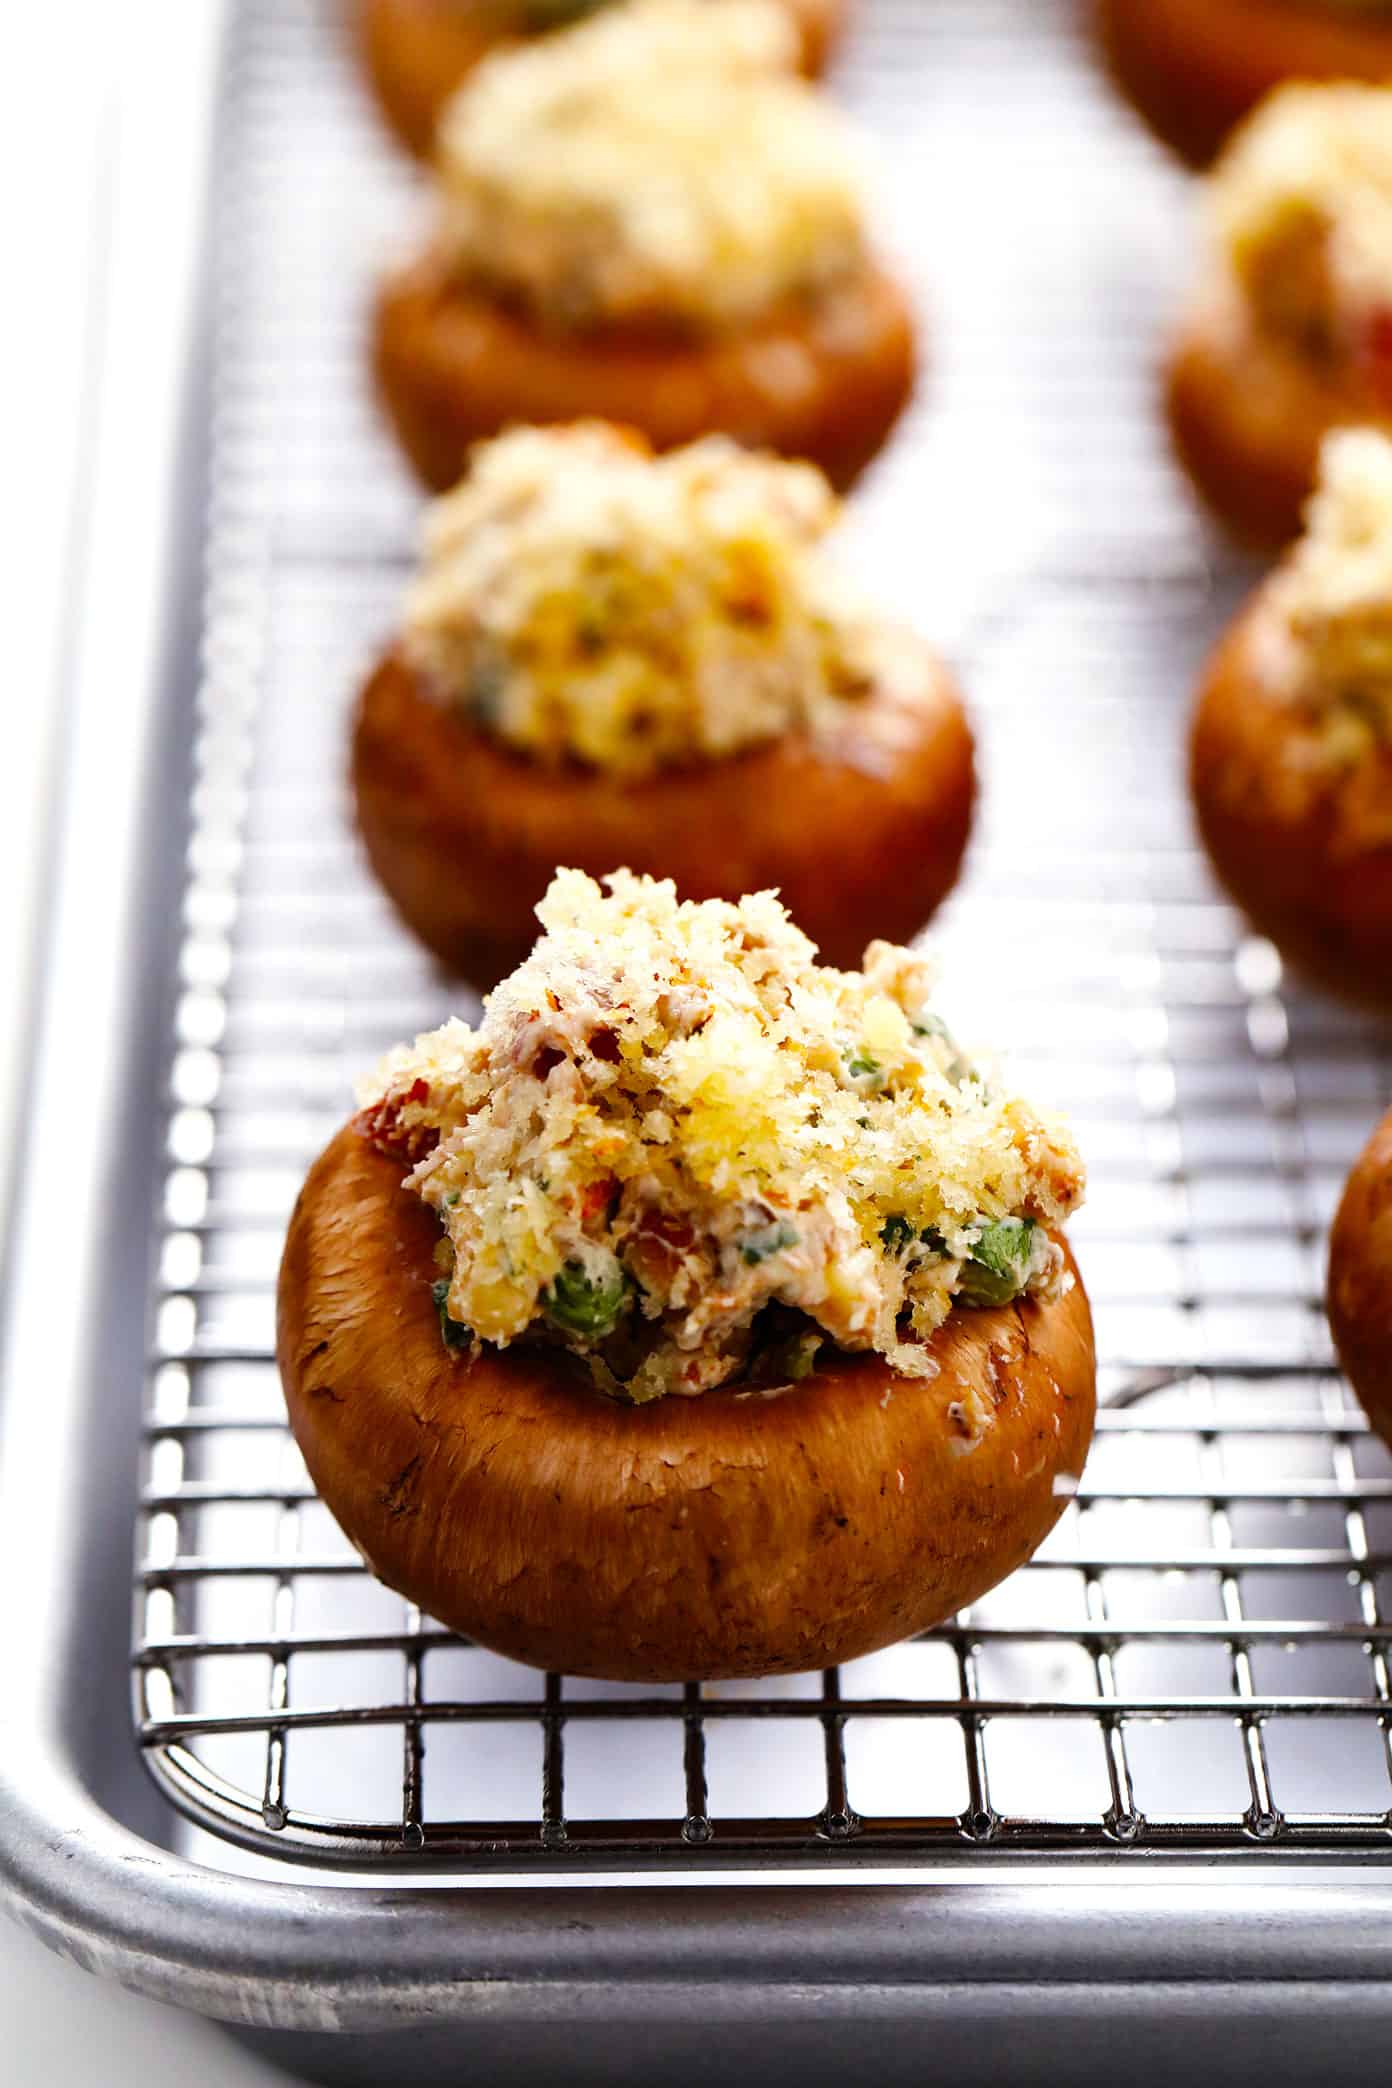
1199	1657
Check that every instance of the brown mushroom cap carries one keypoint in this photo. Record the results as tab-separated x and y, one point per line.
1275	831
862	830
823	379
1249	418
1195	68
732	1534
1360	1279
417	52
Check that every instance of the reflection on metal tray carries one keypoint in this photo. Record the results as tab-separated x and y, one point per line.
1198	1660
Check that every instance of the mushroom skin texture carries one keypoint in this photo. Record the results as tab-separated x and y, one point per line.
862	829
416	53
735	1534
1360	1279
1195	68
823	378
1275	828
1249	418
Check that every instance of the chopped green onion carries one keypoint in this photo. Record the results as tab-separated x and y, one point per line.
927	1024
486	690
756	1247
797	1358
862	1065
584	1305
453	1332
998	1267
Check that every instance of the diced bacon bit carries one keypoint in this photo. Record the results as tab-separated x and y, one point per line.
658	1247
382	1127
1377	356
596	1199
539	1044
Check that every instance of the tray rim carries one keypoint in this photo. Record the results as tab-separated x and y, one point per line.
300	1956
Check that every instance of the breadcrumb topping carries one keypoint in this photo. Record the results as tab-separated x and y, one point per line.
1334	597
660	162
680	1147
585	599
1302	204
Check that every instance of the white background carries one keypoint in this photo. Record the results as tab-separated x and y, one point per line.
58	2027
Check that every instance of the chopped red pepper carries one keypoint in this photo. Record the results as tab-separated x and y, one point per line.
596	1199
380	1124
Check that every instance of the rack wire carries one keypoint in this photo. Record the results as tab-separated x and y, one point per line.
1198	1660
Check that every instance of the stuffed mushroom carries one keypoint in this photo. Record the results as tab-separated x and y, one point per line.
647	218
1292	741
1292	334
613	657
703	1312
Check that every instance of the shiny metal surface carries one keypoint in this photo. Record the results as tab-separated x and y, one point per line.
1194	1673
1199	1658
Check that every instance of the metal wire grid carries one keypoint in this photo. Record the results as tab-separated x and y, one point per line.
1198	1659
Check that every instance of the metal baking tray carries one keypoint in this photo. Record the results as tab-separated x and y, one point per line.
1137	1800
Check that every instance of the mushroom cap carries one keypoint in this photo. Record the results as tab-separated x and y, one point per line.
821	378
1249	418
1360	1279
862	829
739	1533
1194	70
1276	831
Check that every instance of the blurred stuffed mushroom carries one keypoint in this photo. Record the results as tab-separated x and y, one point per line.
1290	335
649	218
610	657
1291	753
